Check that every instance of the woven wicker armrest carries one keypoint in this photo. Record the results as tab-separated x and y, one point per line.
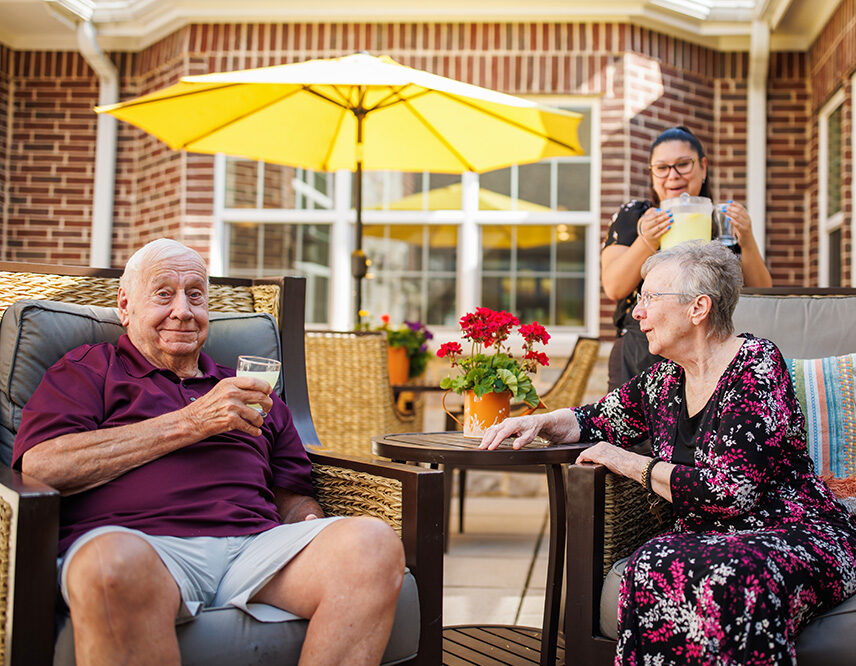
414	496
29	529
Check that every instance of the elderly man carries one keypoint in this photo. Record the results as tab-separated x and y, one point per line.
177	494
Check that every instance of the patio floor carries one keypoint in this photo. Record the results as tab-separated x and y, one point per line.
495	572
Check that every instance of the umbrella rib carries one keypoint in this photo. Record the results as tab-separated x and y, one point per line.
326	162
438	136
514	123
396	97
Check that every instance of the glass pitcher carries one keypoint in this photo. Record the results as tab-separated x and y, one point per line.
691	220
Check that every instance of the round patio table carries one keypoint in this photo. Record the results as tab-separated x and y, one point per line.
452	448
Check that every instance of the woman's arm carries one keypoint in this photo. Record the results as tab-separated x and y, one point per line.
621	264
631	465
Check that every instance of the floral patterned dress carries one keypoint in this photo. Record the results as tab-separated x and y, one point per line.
759	545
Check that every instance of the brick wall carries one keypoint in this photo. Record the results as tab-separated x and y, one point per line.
832	61
51	155
5	157
646	82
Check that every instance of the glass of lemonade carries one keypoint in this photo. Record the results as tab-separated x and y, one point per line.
260	368
691	220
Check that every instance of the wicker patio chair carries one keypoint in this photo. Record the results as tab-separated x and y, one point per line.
567	391
349	390
405	496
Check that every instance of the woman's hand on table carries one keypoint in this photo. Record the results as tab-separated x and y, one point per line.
558	426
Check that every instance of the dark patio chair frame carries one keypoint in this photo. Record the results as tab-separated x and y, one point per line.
29	589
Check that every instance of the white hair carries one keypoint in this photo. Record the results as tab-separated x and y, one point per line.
156	250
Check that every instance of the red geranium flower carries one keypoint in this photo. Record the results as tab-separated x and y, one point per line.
450	349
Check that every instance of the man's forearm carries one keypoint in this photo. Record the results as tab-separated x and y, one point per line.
79	461
294	508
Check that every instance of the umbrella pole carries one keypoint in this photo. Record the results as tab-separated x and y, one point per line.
359	264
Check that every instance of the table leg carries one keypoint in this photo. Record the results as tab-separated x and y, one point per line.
555	565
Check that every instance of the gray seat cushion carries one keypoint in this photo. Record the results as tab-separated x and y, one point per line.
226	636
828	640
36	334
801	326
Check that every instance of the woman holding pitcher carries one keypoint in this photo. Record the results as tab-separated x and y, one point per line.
678	165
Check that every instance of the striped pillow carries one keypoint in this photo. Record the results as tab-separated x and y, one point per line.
825	390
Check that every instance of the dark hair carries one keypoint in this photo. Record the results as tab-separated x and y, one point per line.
681	133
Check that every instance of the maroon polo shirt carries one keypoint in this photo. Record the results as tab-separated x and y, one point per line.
221	486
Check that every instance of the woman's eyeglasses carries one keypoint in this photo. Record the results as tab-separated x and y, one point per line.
681	167
645	297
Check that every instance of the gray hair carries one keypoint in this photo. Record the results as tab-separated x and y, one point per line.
705	268
156	250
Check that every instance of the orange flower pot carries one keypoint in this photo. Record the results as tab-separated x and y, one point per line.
399	365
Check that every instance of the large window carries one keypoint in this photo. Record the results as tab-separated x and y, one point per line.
522	238
831	212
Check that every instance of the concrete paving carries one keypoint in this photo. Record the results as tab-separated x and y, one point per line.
495	572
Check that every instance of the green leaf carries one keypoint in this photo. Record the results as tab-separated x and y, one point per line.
509	379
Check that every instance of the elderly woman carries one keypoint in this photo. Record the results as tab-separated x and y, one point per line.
759	545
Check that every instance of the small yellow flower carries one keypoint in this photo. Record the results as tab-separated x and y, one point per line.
363	313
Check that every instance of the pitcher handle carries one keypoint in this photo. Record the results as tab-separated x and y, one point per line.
527	412
443	403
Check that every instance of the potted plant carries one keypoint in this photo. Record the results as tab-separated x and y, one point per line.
489	376
407	346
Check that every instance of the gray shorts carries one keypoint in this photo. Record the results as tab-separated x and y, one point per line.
219	571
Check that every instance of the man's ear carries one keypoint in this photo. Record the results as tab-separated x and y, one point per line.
122	304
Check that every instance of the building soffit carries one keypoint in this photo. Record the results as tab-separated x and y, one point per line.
132	25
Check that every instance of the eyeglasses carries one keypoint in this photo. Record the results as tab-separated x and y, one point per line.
681	167
645	297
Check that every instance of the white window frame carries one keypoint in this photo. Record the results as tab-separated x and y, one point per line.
826	223
469	221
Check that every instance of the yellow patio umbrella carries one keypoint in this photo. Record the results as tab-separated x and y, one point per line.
356	112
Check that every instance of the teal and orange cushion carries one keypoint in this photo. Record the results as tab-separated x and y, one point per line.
826	391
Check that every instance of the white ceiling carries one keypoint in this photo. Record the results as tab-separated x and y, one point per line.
134	24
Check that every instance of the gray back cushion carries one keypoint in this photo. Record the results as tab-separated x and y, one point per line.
801	326
36	334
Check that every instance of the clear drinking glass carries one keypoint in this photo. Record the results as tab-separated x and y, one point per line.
260	368
726	229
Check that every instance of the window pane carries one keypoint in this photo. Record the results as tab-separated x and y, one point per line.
533	248
497	181
241	183
396	190
584	130
533	299
496	293
278	247
496	248
399	297
835	258
442	249
393	247
833	188
570	248
278	190
534	183
574	181
243	245
441	302
570	301
315	243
